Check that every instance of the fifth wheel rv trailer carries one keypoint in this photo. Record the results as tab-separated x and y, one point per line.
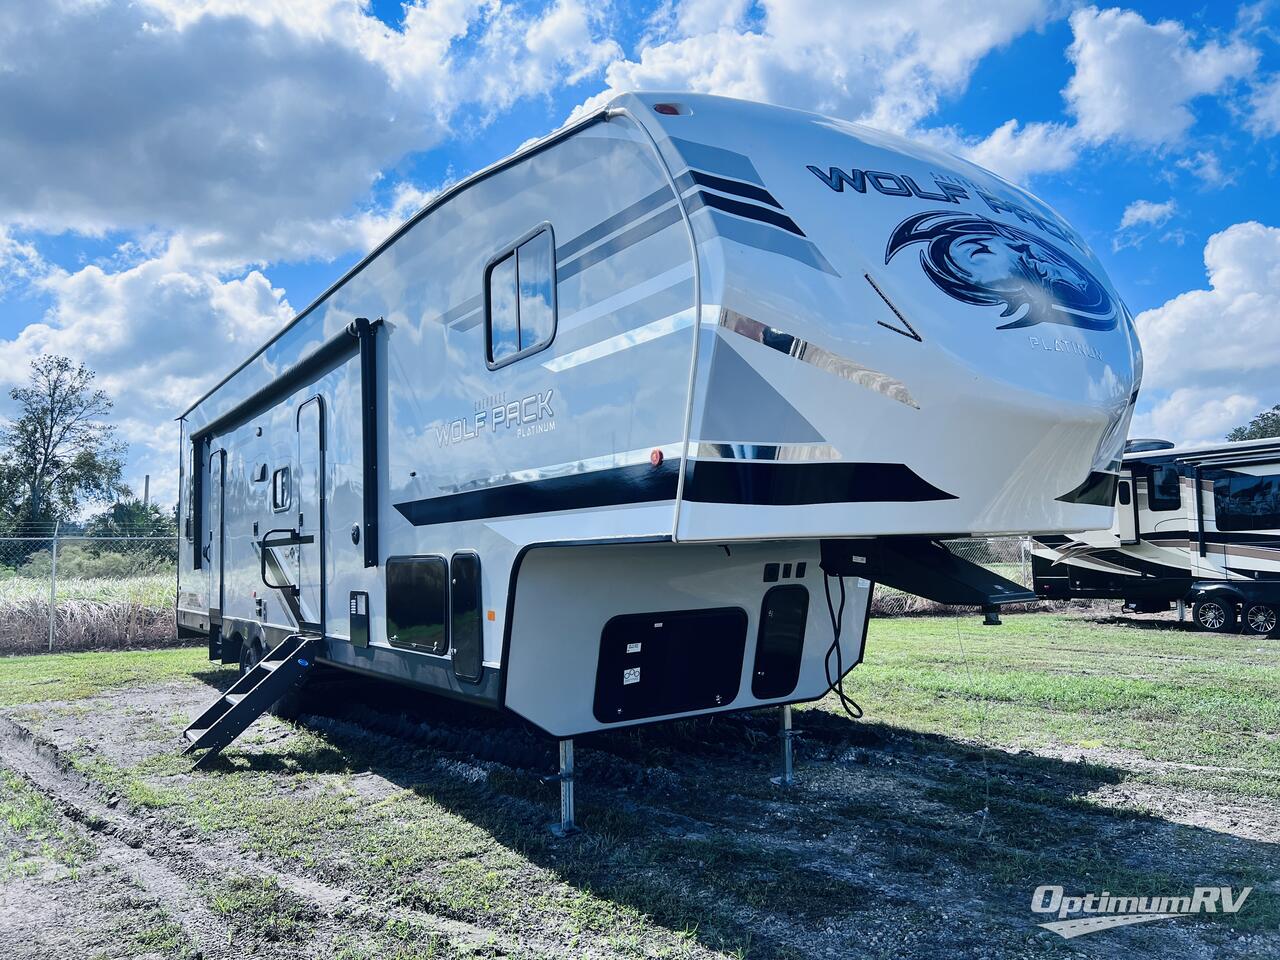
1193	524
588	436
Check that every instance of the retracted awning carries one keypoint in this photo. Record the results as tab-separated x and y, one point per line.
923	567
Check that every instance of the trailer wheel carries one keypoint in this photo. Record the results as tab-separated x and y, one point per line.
1260	619
1214	615
250	654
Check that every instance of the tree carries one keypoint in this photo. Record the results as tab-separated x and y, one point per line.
1265	424
133	518
58	455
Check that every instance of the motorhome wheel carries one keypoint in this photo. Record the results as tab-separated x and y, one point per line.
1260	619
1214	615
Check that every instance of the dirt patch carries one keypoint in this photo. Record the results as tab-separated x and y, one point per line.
392	822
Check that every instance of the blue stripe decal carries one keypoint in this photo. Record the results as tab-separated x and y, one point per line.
616	222
717	160
701	199
690	178
768	239
641	231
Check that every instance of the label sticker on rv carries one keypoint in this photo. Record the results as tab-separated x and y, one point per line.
630	675
524	417
633	648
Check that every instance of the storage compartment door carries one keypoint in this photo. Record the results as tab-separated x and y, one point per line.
656	664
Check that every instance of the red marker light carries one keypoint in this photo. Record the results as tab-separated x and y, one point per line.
666	109
655	458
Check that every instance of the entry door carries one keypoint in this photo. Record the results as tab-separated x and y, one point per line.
311	519
1127	508
215	547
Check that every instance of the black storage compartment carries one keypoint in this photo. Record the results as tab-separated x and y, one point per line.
780	642
652	664
417	600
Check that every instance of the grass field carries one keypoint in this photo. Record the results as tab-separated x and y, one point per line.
1137	758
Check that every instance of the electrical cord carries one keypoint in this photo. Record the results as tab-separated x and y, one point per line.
837	625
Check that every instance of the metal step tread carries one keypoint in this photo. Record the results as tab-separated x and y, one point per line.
260	691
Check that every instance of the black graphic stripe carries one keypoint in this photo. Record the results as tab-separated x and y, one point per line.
792	484
1098	489
639	483
708	481
749	211
689	178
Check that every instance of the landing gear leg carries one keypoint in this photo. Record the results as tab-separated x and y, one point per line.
567	827
1182	611
785	735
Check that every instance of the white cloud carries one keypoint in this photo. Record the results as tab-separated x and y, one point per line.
20	262
886	64
1264	107
1205	166
253	124
1212	355
156	333
1147	213
1017	152
1196	415
1134	80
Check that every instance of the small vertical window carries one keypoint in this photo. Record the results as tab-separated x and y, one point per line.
520	298
504	317
1123	494
281	492
1165	494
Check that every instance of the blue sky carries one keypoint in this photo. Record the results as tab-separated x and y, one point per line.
181	176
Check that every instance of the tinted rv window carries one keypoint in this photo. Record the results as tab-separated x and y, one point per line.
1165	494
504	323
536	269
520	296
1243	502
417	599
1123	494
281	494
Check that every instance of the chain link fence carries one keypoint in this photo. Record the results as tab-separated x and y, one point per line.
63	589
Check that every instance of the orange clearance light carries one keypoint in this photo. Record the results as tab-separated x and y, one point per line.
656	457
666	109
493	615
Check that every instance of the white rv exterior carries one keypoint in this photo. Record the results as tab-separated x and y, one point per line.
1199	524
570	442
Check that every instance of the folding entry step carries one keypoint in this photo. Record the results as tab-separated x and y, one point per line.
252	695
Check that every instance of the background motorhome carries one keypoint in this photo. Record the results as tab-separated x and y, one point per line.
1197	524
588	437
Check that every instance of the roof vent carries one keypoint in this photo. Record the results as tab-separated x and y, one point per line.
1146	446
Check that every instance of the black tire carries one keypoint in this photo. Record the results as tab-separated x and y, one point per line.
1260	619
250	654
1214	615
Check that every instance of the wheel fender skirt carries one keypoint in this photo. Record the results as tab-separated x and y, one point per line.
921	566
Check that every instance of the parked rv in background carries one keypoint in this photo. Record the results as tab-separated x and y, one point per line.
1194	524
625	427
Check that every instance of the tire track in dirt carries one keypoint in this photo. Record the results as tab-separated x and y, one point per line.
121	844
171	865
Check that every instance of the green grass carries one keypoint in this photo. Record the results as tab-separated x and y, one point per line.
1173	697
751	871
36	831
73	676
